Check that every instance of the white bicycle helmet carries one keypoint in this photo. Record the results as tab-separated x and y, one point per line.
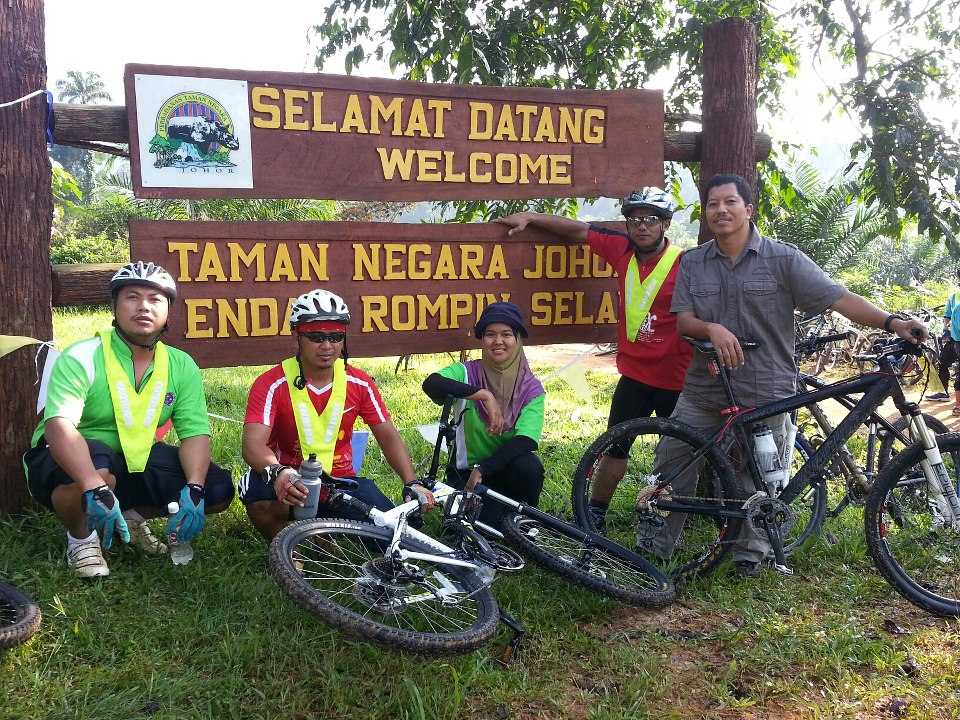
319	305
141	273
650	198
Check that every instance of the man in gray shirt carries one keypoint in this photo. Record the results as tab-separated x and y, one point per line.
742	284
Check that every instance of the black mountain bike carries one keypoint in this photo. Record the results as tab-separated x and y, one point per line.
387	582
702	490
19	617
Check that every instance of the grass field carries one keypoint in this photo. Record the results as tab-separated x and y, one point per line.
216	639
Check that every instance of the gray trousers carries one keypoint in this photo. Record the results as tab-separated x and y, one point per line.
750	547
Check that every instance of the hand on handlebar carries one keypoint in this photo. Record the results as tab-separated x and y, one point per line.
911	329
726	345
422	496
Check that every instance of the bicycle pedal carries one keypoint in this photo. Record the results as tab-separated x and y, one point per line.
782	569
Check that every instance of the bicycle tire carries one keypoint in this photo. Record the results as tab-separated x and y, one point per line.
19	617
333	578
614	572
917	555
889	443
704	541
809	508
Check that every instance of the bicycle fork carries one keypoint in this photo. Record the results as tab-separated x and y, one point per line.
942	492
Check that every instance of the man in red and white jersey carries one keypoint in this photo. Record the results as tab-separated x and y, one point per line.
309	404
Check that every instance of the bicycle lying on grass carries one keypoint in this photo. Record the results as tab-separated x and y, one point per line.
19	617
387	582
912	517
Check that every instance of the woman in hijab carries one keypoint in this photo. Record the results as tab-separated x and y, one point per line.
504	402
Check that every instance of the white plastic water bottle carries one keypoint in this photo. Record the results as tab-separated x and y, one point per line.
310	475
180	552
768	457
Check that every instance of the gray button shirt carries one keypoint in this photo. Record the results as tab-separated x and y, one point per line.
754	297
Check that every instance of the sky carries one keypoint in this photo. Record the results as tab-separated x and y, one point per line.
104	35
256	37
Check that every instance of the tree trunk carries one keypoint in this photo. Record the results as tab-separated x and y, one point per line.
26	210
729	103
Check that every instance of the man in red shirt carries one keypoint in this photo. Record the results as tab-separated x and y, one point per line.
329	396
651	358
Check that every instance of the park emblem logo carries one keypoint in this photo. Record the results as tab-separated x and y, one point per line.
193	130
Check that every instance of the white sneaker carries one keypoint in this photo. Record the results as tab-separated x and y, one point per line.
142	537
86	558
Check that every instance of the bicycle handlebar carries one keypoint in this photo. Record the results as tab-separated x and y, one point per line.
811	344
705	346
894	347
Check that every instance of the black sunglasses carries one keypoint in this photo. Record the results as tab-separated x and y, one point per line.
318	337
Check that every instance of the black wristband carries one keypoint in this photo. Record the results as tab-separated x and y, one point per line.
271	472
889	321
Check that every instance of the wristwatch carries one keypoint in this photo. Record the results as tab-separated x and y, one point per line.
889	321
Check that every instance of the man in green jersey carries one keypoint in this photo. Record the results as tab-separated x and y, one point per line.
94	459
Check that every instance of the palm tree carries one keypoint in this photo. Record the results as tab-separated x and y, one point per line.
80	87
828	219
112	205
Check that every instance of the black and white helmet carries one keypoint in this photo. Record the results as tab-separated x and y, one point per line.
141	273
649	198
319	305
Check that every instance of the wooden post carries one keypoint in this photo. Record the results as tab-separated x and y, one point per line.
729	103
26	209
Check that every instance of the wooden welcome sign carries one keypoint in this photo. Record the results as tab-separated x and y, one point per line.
410	288
206	133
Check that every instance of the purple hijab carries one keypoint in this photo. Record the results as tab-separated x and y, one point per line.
525	388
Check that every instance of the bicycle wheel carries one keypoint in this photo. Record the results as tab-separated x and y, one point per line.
337	571
810	507
684	545
890	445
612	572
914	549
19	617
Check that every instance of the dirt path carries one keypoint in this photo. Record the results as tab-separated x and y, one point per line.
559	355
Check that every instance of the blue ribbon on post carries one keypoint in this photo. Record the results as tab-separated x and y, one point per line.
49	96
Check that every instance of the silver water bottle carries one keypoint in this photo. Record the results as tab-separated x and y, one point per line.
309	474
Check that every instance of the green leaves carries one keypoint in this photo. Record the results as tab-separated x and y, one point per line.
884	65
